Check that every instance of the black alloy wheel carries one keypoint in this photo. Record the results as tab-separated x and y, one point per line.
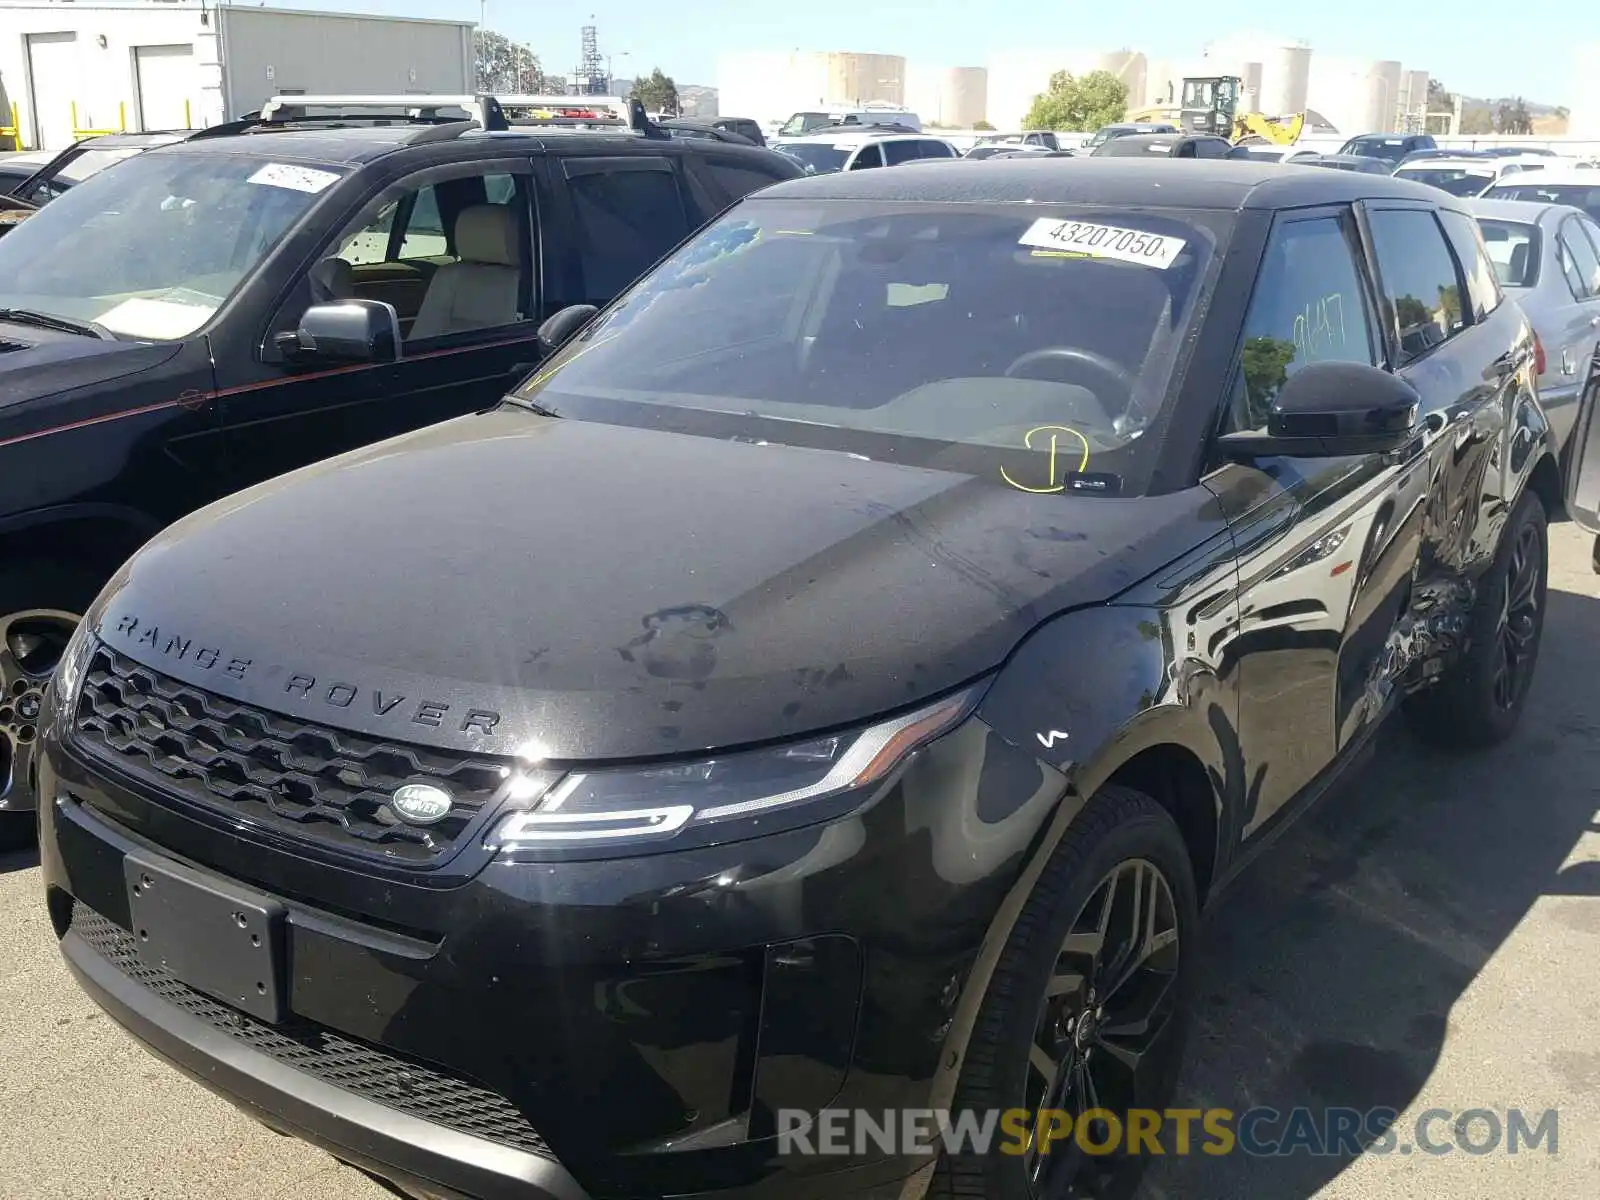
1521	615
31	644
1106	1008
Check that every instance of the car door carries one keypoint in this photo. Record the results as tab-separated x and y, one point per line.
1325	545
1575	321
620	215
455	250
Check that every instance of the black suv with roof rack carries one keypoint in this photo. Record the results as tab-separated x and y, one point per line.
269	293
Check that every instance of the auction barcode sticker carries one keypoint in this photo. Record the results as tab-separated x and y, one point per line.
296	179
1103	241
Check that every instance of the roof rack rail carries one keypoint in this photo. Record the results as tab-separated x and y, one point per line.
487	110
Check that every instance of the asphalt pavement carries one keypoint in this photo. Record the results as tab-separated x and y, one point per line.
1427	939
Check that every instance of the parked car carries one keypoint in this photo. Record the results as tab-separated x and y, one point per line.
1440	152
857	655
1390	147
214	313
1458	176
718	129
1578	187
1043	139
1166	145
1547	257
818	120
1258	152
19	165
841	150
1128	128
1361	163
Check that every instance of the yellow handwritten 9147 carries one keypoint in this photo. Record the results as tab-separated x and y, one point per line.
1034	440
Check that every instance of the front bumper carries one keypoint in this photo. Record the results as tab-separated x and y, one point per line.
626	1028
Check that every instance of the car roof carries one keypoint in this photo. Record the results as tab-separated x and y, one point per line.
1562	176
1228	184
1441	161
1529	212
866	133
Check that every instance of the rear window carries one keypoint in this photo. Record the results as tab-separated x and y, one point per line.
1513	248
1578	195
1039	340
1458	181
1389	149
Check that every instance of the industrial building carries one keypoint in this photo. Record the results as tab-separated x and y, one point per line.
71	68
949	97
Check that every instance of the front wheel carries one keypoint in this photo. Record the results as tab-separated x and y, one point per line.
40	605
1480	699
1086	1011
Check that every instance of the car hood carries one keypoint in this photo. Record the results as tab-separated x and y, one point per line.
600	591
37	363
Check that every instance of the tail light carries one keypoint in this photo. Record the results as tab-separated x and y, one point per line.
1538	356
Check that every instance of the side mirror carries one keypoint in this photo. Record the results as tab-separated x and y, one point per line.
1333	409
559	327
347	331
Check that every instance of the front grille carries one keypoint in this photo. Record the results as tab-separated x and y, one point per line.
366	1071
316	783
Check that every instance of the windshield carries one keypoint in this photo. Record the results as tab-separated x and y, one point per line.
1513	248
152	249
1578	195
1458	181
818	158
1036	341
1199	93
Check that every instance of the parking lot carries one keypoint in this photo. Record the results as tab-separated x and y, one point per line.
1428	938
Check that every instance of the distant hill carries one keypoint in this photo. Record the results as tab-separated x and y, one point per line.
1477	112
698	100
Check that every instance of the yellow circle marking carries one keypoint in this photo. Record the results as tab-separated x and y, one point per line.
1054	431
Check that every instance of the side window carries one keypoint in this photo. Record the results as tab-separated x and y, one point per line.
1575	249
1467	240
738	179
1308	306
900	152
1421	288
871	156
629	213
452	256
936	149
1186	150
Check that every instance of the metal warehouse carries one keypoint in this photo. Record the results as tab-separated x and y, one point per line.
67	69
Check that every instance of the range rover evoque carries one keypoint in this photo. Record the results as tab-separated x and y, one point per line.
838	679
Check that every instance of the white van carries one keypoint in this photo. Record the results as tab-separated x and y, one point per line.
811	120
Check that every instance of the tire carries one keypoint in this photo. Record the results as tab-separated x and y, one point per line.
1471	707
39	602
1120	830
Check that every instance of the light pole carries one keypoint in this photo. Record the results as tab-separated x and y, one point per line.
611	78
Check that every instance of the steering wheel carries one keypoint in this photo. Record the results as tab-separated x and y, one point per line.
1111	384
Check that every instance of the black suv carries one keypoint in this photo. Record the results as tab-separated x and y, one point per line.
214	313
836	681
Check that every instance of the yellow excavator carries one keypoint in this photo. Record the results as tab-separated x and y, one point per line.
1210	104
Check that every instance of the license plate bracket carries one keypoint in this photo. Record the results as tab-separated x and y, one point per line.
220	939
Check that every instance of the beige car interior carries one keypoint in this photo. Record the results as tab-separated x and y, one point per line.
437	286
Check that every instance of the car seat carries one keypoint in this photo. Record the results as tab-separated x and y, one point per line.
481	290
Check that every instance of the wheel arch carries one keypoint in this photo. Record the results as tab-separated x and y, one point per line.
101	536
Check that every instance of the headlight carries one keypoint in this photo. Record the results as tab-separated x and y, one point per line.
68	677
763	789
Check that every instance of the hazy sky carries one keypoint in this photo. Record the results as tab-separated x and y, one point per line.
1525	50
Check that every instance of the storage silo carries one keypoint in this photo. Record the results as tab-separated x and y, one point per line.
1383	96
1128	66
953	97
1286	80
1584	89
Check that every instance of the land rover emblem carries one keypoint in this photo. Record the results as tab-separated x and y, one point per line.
420	803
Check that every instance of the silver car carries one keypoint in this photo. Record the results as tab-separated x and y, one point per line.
1548	259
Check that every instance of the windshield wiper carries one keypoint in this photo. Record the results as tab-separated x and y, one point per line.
28	316
524	402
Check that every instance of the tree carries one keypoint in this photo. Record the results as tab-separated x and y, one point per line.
1477	119
1439	99
1099	98
1265	366
984	125
657	93
507	66
1513	117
